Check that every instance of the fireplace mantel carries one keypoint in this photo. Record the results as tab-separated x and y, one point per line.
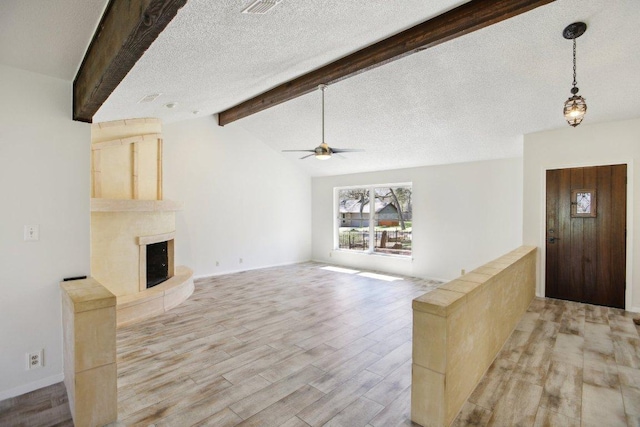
127	205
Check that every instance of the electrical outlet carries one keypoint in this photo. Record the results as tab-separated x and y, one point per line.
217	264
35	360
240	260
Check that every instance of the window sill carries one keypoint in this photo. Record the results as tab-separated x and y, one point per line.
378	254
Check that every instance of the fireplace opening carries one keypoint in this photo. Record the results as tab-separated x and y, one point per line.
157	263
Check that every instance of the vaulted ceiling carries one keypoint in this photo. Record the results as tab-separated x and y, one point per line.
468	99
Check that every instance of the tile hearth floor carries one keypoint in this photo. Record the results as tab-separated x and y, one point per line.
299	346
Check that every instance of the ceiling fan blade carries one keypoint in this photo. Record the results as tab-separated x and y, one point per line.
299	151
308	155
345	150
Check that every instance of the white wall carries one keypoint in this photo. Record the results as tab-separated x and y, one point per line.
242	199
44	180
585	145
464	215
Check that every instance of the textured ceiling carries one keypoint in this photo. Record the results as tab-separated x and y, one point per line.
472	98
468	99
47	36
211	56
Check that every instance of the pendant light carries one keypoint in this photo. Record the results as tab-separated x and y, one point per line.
575	107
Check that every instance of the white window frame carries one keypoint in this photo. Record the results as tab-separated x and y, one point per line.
337	218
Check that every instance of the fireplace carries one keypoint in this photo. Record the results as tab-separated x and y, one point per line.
132	226
156	259
157	263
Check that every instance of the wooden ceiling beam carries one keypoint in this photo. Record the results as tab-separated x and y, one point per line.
125	32
464	19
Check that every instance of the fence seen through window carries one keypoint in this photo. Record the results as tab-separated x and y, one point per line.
381	225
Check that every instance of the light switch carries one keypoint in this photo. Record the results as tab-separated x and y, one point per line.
31	233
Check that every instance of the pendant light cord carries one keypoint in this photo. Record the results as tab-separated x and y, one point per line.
575	83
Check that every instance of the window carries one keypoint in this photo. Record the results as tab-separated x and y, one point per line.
353	206
385	228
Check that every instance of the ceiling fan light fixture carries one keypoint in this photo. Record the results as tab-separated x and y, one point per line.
575	107
323	151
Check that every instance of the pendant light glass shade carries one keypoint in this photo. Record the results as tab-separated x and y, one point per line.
574	110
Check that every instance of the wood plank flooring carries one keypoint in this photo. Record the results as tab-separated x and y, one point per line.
300	346
295	345
47	406
566	364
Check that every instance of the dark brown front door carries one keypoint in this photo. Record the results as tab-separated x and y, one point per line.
586	234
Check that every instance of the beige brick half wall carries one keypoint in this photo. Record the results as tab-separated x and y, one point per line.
459	329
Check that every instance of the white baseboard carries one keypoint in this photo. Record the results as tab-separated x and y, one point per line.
222	273
634	309
26	388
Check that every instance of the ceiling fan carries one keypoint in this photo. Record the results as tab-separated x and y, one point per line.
323	151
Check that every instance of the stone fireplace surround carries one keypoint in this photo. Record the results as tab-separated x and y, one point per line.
120	231
127	214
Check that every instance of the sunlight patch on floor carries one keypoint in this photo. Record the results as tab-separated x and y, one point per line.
380	277
339	269
363	274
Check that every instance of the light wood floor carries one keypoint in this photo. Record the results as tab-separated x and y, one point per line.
566	364
299	346
47	406
287	346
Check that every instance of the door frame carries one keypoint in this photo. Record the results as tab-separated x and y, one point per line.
541	289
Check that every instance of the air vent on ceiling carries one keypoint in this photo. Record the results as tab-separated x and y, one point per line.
149	98
261	6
